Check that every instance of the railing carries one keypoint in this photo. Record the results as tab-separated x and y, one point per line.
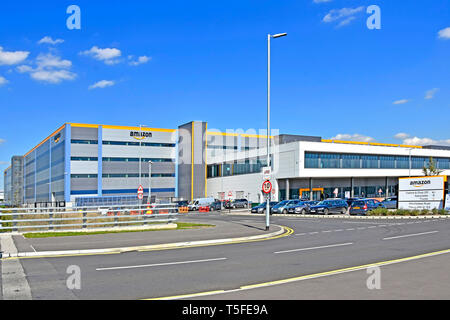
71	219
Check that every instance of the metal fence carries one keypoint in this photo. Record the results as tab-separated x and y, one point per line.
71	219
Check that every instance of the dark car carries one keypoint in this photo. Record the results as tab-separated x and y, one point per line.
238	203
351	200
390	203
330	206
262	207
363	206
183	203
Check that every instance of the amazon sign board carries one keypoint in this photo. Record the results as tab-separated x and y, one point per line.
421	193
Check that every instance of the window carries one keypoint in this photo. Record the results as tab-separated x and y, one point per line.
369	162
84	158
84	141
402	162
311	160
351	161
387	162
329	160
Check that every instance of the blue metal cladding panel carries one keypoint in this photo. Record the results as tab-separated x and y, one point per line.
100	162
67	141
176	165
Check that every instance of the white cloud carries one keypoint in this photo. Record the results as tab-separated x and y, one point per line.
3	81
430	93
50	68
338	14
10	58
403	101
444	33
108	55
321	1
2	141
401	136
102	84
353	137
51	61
417	141
140	60
49	40
53	76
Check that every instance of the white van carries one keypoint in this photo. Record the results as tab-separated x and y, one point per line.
195	204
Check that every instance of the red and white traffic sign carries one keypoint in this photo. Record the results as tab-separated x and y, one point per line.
140	193
267	187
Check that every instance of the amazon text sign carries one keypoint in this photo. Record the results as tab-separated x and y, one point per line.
421	193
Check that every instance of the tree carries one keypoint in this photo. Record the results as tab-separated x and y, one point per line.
431	169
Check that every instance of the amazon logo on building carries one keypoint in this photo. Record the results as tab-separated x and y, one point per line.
140	135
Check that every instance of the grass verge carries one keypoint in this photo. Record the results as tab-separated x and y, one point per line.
180	226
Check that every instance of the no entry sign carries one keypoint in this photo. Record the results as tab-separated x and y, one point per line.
267	187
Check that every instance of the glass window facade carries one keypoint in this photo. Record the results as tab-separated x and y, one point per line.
246	166
360	161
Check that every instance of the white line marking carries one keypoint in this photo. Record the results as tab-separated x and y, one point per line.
410	235
313	233
300	234
314	248
160	264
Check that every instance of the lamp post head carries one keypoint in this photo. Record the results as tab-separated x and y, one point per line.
279	35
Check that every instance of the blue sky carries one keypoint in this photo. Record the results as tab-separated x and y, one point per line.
162	64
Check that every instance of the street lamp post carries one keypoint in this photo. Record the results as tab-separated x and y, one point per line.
150	182
410	162
269	36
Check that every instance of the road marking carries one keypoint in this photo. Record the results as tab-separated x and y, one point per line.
410	235
313	233
314	248
161	264
308	277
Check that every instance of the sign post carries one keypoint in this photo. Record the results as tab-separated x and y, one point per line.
140	193
267	188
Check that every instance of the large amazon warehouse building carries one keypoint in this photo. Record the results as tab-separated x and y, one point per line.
85	164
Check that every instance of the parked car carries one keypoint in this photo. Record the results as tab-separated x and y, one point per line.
351	200
390	203
238	203
330	206
262	207
195	204
216	206
363	206
281	207
183	203
301	207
